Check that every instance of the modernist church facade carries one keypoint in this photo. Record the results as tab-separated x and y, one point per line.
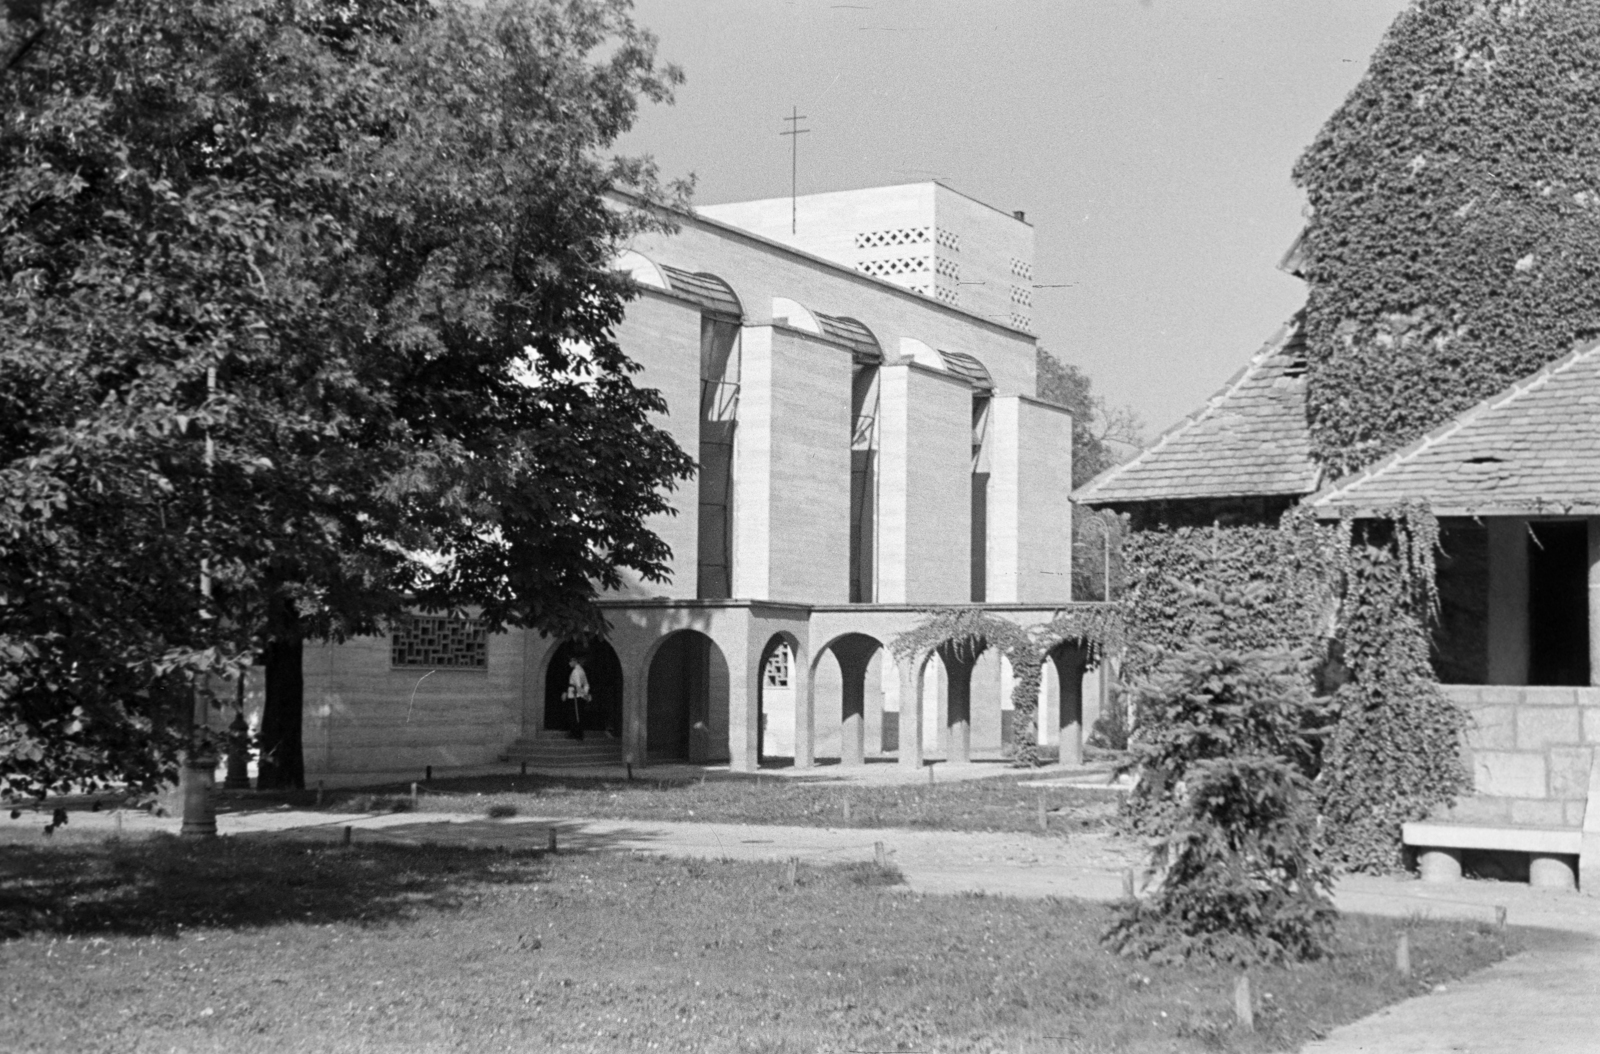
855	375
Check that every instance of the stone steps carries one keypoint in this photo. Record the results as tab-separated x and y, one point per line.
542	752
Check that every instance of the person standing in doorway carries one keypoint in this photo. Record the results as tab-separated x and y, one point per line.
578	693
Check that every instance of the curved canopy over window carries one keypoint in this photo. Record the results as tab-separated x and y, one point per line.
712	294
863	345
963	365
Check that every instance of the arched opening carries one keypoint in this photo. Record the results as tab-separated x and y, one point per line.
848	682
1070	660
775	709
686	706
602	712
955	728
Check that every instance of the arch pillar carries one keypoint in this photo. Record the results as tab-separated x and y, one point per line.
1071	660
854	655
958	678
909	670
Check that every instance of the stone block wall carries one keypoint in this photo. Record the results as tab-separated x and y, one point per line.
1530	750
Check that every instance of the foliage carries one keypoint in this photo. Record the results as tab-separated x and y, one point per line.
305	316
1456	219
1244	880
1245	588
1216	703
1394	752
1345	608
1098	430
963	633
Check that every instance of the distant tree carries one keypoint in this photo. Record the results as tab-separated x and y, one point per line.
1455	232
1098	430
305	318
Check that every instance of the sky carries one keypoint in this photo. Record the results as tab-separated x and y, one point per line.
1149	142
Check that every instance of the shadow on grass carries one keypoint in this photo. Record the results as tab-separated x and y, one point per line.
157	886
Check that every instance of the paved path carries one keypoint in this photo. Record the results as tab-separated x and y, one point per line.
1544	1002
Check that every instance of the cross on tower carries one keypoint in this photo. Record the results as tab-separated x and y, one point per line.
794	133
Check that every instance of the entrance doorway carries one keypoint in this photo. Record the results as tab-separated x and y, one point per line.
603	712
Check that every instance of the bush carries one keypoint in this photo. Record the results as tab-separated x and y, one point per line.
1245	882
1217	703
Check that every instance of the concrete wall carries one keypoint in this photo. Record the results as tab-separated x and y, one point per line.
995	258
363	716
1030	513
758	271
1529	751
662	334
792	483
925	479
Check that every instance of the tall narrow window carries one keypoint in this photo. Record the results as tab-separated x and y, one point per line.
980	498
863	483
719	411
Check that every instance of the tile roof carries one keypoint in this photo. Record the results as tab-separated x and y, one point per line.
1534	447
1251	439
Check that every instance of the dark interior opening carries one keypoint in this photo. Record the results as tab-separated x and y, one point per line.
1558	603
603	712
1461	634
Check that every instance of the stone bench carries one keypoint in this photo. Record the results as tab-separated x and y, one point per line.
1553	852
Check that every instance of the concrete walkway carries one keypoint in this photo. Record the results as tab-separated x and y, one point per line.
1541	1002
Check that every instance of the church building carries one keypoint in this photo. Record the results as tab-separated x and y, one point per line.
855	375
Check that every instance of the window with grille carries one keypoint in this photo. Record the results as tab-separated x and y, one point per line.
777	675
439	642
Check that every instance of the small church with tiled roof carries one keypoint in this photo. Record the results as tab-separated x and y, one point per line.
1515	483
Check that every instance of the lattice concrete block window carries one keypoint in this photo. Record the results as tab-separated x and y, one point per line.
778	667
1021	269
947	240
1022	296
891	236
439	642
897	266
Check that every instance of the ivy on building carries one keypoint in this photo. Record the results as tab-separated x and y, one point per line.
964	633
1455	227
1348	605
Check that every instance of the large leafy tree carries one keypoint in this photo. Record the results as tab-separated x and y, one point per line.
1455	232
305	316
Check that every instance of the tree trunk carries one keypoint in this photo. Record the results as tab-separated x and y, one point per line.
282	764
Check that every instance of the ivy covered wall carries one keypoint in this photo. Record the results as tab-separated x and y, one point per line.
1455	232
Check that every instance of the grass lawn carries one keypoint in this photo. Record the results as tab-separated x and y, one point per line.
994	804
289	945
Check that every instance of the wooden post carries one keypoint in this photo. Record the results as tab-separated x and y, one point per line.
1243	1009
348	834
791	873
880	855
1402	955
1044	822
1127	884
550	845
413	795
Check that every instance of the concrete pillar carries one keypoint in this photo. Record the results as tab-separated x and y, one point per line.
872	702
1070	661
744	726
1546	871
1508	600
1047	711
910	675
1439	865
854	655
958	707
1029	514
805	713
635	708
986	702
1594	600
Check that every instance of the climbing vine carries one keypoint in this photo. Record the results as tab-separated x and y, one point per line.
1455	225
965	632
1348	604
